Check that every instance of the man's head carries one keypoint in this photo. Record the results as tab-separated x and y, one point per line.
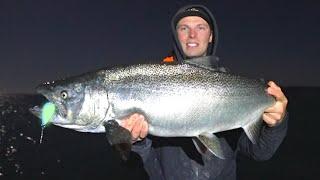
194	35
194	31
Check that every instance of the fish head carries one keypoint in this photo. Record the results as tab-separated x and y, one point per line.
67	98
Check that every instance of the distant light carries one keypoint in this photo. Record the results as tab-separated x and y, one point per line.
47	113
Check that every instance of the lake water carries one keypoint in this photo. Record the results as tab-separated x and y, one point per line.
65	153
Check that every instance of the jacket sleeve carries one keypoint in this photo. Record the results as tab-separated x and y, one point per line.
143	148
268	142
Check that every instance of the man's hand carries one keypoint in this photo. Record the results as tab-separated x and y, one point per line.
275	114
137	125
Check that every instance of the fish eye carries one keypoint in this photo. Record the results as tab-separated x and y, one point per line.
64	94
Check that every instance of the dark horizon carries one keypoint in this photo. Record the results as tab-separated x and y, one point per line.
49	40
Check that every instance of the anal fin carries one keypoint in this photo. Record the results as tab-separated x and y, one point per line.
212	143
202	149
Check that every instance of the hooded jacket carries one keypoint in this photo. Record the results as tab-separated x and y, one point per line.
178	158
178	56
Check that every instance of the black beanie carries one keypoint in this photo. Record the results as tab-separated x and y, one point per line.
194	11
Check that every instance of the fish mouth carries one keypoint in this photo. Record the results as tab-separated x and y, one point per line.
56	119
36	110
46	91
44	114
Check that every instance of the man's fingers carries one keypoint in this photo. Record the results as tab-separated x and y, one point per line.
136	129
270	109
274	116
278	107
276	91
144	130
137	126
129	122
271	119
140	131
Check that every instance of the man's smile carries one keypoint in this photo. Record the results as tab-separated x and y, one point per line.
192	44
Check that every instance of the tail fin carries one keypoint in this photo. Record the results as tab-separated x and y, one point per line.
253	129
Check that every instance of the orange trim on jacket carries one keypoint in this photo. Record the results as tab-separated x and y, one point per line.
168	59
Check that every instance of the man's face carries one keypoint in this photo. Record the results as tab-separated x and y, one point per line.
194	34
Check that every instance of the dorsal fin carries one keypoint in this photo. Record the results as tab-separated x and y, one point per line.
206	62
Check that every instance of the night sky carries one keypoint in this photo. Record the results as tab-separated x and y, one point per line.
43	40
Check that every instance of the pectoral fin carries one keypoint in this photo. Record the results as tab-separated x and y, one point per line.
119	138
211	142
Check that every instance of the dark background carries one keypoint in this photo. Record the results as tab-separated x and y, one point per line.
66	154
43	40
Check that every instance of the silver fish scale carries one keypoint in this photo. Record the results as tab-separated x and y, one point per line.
184	76
183	100
176	100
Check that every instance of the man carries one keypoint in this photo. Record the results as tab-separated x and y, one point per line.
195	35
